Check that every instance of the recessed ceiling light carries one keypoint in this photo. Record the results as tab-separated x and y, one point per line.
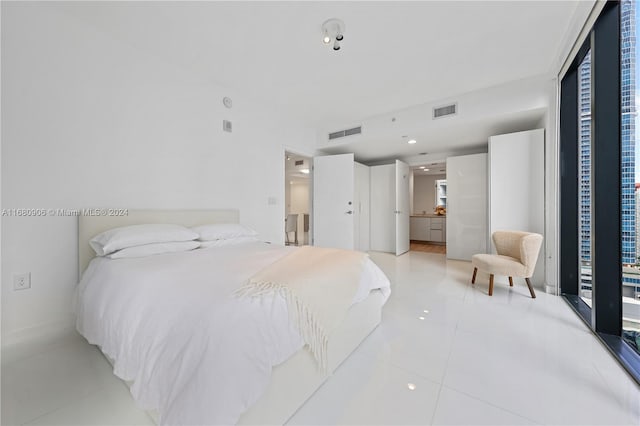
426	170
422	167
411	386
288	158
412	141
305	171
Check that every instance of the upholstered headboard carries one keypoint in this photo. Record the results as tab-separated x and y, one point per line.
90	226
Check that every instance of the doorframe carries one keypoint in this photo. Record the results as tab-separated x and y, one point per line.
296	151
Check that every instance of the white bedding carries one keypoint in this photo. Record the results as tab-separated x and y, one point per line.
193	351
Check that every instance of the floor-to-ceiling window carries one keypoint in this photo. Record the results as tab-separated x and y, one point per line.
630	174
584	177
600	254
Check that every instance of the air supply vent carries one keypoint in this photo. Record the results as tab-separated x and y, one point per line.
444	111
347	132
299	162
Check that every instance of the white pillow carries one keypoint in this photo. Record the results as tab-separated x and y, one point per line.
227	242
154	248
136	235
223	231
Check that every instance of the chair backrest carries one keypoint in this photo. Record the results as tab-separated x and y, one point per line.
291	223
524	246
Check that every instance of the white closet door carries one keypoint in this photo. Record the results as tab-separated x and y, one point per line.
466	206
402	207
383	206
333	201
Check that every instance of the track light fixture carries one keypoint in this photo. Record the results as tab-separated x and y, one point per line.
333	30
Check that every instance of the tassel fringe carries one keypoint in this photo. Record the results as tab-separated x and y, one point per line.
304	319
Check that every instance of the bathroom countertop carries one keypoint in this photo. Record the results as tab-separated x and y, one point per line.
429	215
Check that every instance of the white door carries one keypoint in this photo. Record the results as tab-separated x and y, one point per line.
383	206
402	207
466	228
333	189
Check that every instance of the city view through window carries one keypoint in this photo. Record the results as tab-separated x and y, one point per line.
630	176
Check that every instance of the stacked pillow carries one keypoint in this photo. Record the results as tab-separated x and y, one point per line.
144	240
221	234
150	239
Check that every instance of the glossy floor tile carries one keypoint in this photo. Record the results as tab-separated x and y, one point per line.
445	353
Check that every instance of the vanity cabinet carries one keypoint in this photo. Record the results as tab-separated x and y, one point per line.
419	228
424	228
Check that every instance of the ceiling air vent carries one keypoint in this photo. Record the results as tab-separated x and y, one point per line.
347	132
445	111
299	162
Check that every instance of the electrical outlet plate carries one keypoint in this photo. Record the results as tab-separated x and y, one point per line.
22	281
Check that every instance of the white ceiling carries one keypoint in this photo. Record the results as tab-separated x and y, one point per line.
394	55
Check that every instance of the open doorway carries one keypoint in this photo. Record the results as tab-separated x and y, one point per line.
297	199
428	222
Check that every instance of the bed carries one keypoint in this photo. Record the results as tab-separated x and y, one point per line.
116	297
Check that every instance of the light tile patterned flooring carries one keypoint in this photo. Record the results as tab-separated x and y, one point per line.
473	359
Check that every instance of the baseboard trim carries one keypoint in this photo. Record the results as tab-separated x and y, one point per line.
28	340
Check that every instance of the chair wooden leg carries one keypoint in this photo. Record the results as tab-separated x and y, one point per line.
473	278
491	285
533	293
510	281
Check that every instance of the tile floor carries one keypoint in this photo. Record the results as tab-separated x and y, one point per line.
469	359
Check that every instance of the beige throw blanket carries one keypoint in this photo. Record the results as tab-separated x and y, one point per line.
319	285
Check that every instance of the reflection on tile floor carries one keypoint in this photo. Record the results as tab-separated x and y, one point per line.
471	359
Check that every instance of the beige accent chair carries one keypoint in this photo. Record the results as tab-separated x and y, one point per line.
517	256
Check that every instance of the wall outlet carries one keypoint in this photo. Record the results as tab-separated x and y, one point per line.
22	281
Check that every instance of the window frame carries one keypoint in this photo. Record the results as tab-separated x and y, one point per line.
604	317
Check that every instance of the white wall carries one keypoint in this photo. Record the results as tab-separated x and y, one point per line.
516	187
551	192
362	207
89	121
424	192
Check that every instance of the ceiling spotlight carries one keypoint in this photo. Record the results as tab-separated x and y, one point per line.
422	167
333	29
411	142
305	171
426	170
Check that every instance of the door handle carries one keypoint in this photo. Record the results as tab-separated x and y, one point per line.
350	212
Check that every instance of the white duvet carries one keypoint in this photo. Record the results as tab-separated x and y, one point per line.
194	352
